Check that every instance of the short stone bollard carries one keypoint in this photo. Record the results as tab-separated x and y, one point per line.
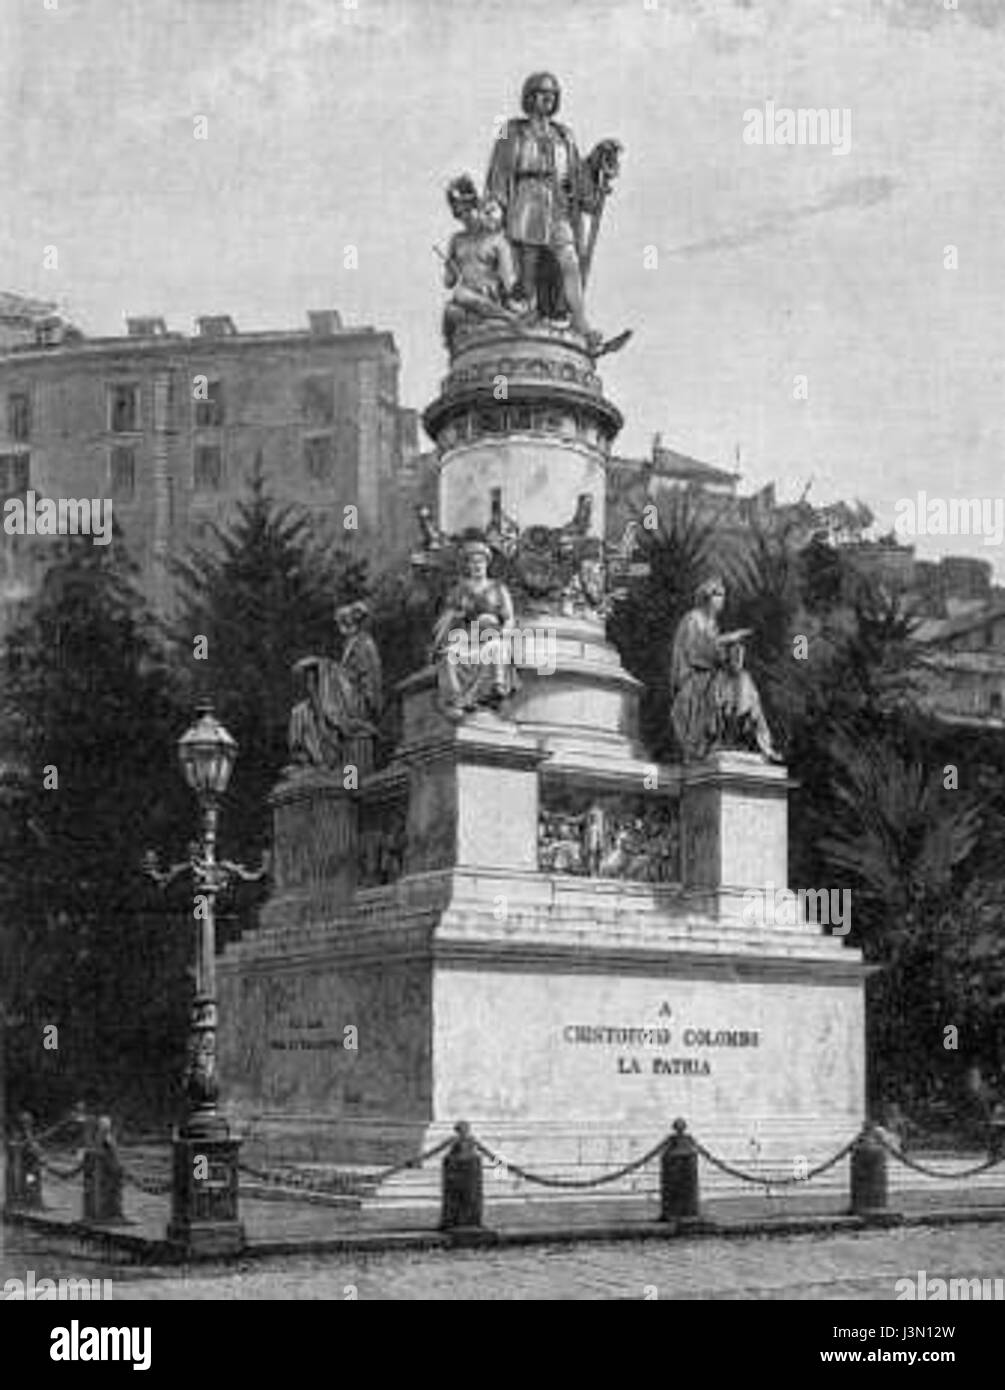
102	1176
996	1133
680	1199
462	1184
23	1186
868	1174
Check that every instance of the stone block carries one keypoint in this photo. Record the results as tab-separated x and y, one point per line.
734	818
314	820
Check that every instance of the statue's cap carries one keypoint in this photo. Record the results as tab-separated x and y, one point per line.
462	193
473	542
540	82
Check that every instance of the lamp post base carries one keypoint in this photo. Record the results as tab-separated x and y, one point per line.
204	1213
206	1240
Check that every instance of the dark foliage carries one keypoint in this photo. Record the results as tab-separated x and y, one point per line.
262	594
91	710
874	808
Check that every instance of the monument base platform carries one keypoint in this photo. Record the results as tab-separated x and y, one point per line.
568	1021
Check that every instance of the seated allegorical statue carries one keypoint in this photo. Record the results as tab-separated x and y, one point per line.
479	269
715	703
741	721
470	644
334	723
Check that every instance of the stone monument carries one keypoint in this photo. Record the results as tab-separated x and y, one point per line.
520	920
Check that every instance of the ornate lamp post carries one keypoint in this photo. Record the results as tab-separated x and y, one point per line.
204	1214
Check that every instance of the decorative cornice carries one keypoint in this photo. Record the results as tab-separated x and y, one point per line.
648	961
545	391
419	943
466	745
738	772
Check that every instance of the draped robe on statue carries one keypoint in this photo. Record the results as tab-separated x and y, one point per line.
342	703
472	667
694	660
715	700
536	173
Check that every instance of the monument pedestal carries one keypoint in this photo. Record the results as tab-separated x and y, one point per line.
568	1018
735	811
540	931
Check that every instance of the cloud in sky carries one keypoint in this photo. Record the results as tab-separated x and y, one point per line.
849	193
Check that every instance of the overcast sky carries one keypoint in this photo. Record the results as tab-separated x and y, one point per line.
330	125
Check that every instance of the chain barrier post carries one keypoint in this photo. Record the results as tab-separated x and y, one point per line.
680	1199
102	1175
868	1174
462	1184
88	1128
996	1133
24	1167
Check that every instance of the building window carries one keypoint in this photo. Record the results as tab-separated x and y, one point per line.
317	400
995	702
122	473
319	456
208	470
124	408
209	413
15	474
19	416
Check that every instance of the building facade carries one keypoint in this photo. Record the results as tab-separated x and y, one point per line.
169	426
963	658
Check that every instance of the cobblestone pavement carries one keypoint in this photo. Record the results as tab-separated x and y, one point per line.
859	1265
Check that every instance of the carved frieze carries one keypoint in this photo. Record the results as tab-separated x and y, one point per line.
382	842
609	835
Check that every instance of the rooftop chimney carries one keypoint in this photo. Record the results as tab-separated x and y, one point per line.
324	322
146	328
215	326
50	332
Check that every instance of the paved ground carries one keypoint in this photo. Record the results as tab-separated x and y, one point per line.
832	1264
861	1265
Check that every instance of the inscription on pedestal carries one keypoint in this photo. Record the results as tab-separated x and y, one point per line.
691	1040
306	1035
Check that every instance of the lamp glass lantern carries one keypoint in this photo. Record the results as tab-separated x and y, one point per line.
207	753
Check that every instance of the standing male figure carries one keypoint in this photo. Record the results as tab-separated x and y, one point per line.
537	175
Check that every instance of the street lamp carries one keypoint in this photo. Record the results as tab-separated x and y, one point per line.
204	1207
207	754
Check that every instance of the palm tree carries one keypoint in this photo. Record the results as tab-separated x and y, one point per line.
680	553
900	841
